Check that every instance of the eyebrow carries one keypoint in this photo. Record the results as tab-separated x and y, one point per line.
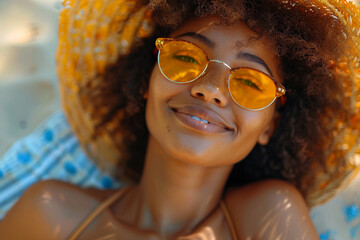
255	59
241	55
200	37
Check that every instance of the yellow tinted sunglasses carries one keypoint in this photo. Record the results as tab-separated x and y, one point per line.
181	61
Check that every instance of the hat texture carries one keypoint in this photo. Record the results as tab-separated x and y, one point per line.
92	35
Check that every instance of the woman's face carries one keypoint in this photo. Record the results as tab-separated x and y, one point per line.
174	112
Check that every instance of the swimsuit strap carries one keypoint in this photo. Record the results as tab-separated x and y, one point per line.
229	220
103	206
117	195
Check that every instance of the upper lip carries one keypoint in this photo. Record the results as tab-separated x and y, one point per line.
206	114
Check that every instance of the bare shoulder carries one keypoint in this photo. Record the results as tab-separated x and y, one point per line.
48	210
270	209
271	190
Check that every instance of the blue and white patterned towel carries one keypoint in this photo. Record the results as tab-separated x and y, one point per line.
50	152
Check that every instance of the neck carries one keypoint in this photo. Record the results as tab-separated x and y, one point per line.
174	196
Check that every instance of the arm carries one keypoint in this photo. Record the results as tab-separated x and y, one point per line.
271	209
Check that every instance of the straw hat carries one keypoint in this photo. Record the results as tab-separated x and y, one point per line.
94	33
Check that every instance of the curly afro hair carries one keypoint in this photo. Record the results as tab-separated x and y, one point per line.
306	44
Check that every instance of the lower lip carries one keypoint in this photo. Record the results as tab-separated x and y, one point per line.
195	124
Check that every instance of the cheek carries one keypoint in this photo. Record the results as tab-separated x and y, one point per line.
251	125
157	86
154	97
255	122
161	88
160	92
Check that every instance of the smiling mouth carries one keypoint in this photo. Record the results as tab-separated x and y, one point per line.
194	117
198	123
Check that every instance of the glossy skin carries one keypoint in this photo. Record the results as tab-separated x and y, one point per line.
186	166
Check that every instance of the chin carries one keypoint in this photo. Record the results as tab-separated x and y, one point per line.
201	154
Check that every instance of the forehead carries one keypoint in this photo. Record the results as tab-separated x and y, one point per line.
232	39
239	34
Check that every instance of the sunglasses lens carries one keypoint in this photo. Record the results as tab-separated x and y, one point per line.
180	61
251	89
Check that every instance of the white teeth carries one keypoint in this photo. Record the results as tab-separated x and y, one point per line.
199	119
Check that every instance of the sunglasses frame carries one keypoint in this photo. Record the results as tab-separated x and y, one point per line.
160	42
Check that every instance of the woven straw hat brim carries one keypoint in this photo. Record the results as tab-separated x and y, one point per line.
93	34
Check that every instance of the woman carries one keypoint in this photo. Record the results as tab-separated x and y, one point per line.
214	94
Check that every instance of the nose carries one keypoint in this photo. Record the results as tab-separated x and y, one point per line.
212	86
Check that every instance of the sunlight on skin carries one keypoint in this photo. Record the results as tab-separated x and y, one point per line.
47	197
272	222
206	234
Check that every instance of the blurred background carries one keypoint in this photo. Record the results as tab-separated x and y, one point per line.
28	88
